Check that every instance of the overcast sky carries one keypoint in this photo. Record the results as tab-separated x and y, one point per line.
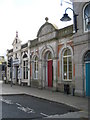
27	16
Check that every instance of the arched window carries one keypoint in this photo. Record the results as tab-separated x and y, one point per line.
87	56
87	17
48	55
36	67
67	64
25	67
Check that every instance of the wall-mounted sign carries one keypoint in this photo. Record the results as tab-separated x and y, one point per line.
16	61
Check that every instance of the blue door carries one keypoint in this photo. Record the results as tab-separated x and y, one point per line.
87	78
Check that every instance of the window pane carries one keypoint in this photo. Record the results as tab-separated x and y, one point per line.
65	75
24	72
70	67
49	56
65	68
26	63
67	64
70	75
65	60
68	52
23	63
87	17
70	61
37	66
65	53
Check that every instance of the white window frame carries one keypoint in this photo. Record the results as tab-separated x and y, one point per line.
67	65
35	71
26	67
84	18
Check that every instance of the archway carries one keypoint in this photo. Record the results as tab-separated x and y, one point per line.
49	69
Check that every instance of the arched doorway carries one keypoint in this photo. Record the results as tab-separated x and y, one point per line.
49	69
87	75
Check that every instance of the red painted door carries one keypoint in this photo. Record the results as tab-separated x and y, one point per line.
50	73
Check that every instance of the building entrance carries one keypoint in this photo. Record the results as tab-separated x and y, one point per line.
50	73
49	69
87	75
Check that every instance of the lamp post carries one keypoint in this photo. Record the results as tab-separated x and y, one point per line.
67	18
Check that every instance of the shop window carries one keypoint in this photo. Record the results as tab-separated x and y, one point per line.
87	17
67	64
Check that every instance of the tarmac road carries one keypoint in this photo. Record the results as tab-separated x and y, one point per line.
26	106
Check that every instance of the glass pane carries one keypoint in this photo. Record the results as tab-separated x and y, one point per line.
65	68
23	63
87	17
37	65
70	61
65	53
87	11
70	75
65	75
70	68
49	55
24	72
36	58
65	60
26	63
68	52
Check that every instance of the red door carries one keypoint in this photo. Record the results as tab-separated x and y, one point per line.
50	73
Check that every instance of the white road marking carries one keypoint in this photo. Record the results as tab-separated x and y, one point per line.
18	104
26	109
44	114
6	101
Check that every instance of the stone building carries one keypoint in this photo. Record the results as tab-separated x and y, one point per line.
2	68
57	58
81	42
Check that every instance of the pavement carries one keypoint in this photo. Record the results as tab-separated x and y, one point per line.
78	102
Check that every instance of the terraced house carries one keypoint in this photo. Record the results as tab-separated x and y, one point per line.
57	58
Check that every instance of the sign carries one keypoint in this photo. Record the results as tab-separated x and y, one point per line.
16	61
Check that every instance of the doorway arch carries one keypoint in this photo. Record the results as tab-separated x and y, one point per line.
87	75
48	69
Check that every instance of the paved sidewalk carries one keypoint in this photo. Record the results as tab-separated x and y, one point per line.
77	102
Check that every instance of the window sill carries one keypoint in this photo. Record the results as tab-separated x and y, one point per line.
67	80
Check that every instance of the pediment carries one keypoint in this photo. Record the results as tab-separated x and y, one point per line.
46	29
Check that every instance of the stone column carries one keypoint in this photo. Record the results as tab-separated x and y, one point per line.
29	83
78	80
55	73
28	72
40	76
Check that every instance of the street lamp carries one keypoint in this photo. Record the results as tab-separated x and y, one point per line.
67	18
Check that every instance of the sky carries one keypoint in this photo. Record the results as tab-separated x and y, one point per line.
26	17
